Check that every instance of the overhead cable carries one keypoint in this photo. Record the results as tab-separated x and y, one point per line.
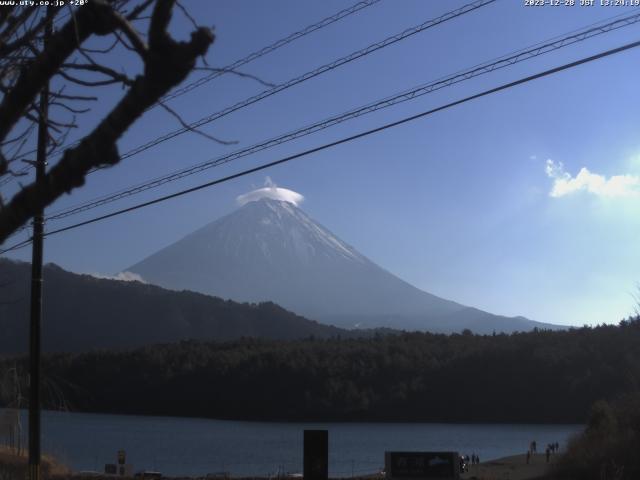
231	67
366	133
487	67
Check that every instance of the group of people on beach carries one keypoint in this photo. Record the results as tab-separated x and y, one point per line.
551	448
465	461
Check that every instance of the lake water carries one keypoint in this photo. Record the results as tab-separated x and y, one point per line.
185	446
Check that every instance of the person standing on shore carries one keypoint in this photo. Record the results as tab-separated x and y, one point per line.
548	453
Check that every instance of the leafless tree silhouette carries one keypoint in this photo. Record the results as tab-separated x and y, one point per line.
76	71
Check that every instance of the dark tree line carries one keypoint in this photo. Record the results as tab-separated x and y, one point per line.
541	376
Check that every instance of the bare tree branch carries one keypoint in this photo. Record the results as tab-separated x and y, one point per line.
30	34
93	18
166	64
186	13
135	13
192	129
94	67
102	50
237	73
79	98
68	108
137	42
14	23
93	83
18	137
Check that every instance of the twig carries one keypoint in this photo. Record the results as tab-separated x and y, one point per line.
195	130
90	83
95	67
186	13
239	74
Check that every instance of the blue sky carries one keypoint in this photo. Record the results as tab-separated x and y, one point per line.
506	203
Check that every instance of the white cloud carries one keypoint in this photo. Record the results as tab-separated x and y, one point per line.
273	192
122	276
614	186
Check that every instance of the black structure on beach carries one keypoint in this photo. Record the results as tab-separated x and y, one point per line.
316	455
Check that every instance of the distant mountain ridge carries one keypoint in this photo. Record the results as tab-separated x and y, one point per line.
270	249
81	312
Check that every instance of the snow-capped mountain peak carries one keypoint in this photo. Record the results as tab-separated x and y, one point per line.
269	249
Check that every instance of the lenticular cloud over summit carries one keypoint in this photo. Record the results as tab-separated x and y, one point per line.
273	192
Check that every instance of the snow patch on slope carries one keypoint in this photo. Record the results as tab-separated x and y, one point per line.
305	233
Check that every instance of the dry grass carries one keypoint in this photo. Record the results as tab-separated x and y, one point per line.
14	467
608	448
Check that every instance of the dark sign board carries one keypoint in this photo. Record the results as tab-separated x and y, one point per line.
316	455
111	469
422	465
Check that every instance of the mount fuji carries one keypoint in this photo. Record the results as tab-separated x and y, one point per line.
271	250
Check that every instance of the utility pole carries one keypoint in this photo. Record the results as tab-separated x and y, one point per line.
36	284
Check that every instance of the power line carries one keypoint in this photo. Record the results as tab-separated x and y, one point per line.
296	80
17	246
231	67
354	137
480	69
595	31
270	48
312	74
339	142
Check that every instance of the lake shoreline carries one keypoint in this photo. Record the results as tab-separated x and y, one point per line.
313	420
192	447
514	467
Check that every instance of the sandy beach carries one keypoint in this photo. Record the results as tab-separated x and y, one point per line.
511	468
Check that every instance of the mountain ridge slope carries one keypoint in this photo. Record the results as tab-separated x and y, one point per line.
82	312
272	250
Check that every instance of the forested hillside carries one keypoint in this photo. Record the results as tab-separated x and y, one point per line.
82	313
541	376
